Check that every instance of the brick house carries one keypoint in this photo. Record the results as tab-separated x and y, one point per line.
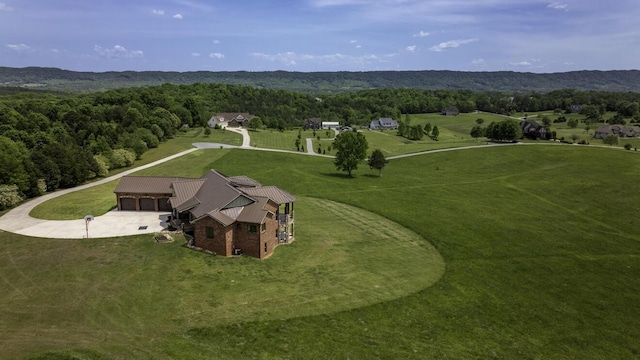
225	215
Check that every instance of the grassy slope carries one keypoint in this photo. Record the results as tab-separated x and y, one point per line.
539	243
134	295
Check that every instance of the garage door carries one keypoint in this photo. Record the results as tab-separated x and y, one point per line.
163	204
147	204
127	204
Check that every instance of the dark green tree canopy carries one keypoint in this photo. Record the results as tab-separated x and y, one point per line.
506	130
351	148
377	161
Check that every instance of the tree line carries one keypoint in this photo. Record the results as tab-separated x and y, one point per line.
327	82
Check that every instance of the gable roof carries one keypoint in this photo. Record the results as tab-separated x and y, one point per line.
230	116
184	194
254	213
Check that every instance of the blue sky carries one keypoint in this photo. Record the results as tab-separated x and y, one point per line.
321	35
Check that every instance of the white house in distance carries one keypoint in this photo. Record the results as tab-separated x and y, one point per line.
330	125
383	124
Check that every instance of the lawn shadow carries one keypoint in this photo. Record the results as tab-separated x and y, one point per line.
338	175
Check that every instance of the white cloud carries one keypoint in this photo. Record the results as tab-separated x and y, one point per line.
197	5
291	58
451	44
520	63
157	12
477	61
358	46
178	16
353	41
558	6
116	52
5	7
195	54
422	34
19	47
325	3
216	41
216	55
411	48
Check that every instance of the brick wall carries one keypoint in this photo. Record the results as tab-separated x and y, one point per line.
222	242
249	243
237	236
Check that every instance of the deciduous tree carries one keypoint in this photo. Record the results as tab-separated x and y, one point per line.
611	140
351	148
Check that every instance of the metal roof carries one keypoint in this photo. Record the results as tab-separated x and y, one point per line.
183	192
279	196
255	212
243	181
146	184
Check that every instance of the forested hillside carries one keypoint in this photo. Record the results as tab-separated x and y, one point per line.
327	82
50	141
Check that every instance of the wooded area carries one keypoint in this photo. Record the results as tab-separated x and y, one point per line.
52	140
326	82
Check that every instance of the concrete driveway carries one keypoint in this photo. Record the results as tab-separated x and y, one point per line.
112	224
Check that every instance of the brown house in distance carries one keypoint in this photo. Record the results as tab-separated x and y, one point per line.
230	120
225	215
450	111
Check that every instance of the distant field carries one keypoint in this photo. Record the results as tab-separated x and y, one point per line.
285	140
539	244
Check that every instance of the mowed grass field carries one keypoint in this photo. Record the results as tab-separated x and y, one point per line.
539	245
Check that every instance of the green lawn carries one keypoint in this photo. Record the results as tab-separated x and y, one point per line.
183	141
453	132
136	295
540	245
284	140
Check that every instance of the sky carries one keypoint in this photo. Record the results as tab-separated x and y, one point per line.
321	35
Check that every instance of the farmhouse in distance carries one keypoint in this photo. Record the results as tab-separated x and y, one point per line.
225	215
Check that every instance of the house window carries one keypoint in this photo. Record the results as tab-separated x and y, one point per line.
209	231
264	226
252	228
265	247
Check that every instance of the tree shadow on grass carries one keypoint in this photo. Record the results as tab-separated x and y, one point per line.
371	176
339	175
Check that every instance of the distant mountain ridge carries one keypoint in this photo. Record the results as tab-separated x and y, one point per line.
326	82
